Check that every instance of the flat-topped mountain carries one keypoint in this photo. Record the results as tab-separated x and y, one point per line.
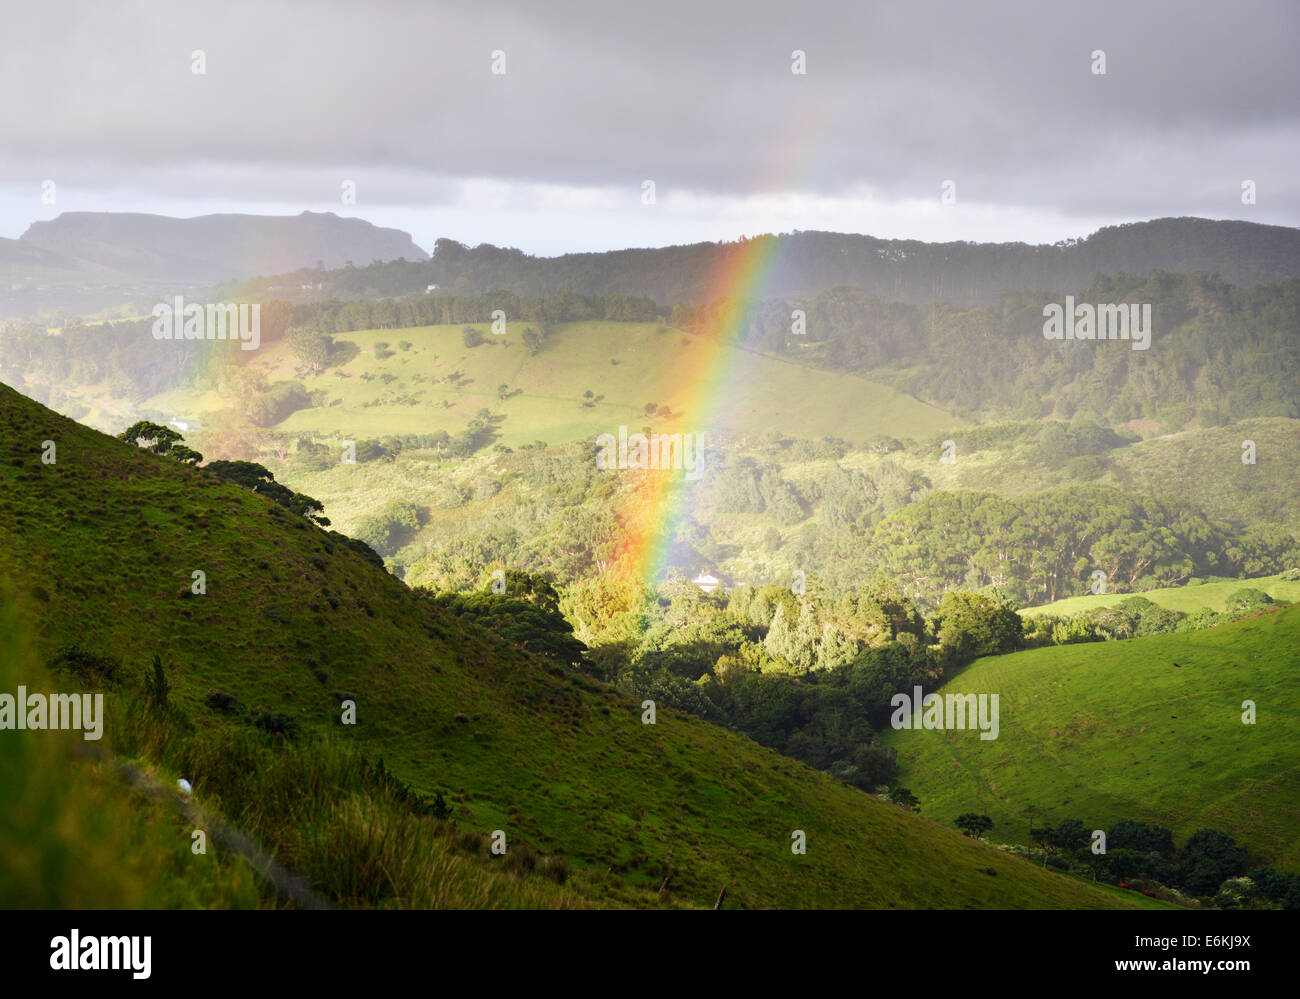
212	248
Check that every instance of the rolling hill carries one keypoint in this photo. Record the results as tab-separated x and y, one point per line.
623	366
98	550
805	263
1148	728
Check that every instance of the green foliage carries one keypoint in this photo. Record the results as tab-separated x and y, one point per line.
310	346
1143	837
1207	859
1247	601
91	668
532	624
904	798
185	455
258	478
273	406
973	824
150	436
970	625
390	528
1047	545
1280	887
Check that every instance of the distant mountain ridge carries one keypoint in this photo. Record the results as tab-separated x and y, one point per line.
84	261
210	248
805	263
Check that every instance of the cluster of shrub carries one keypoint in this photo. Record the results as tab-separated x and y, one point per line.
1211	866
523	608
1136	616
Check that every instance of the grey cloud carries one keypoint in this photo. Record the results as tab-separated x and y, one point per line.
694	95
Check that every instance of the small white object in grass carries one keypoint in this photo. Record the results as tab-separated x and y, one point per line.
184	785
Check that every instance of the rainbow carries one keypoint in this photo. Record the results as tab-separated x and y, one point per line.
655	509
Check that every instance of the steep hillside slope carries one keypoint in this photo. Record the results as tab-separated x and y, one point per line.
105	542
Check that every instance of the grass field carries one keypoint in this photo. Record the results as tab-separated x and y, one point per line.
104	544
1188	599
624	366
1149	729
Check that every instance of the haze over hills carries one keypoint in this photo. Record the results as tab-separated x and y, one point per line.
83	262
216	247
805	263
99	260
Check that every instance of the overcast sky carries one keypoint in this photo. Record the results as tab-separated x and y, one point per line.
697	96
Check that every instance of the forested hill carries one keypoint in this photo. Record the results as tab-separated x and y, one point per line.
804	263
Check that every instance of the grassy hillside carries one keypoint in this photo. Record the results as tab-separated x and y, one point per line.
1149	729
1187	599
624	366
73	836
103	545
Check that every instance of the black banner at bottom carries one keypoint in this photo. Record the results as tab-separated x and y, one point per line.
143	949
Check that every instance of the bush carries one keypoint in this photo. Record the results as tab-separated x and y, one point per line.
227	704
1208	859
1281	887
556	869
389	529
277	403
1248	601
520	859
1142	837
277	725
90	667
973	824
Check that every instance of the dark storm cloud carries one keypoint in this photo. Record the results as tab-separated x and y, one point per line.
695	95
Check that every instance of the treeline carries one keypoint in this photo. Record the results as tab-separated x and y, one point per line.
124	355
1136	617
134	365
1141	856
1037	548
806	263
1055	544
442	310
